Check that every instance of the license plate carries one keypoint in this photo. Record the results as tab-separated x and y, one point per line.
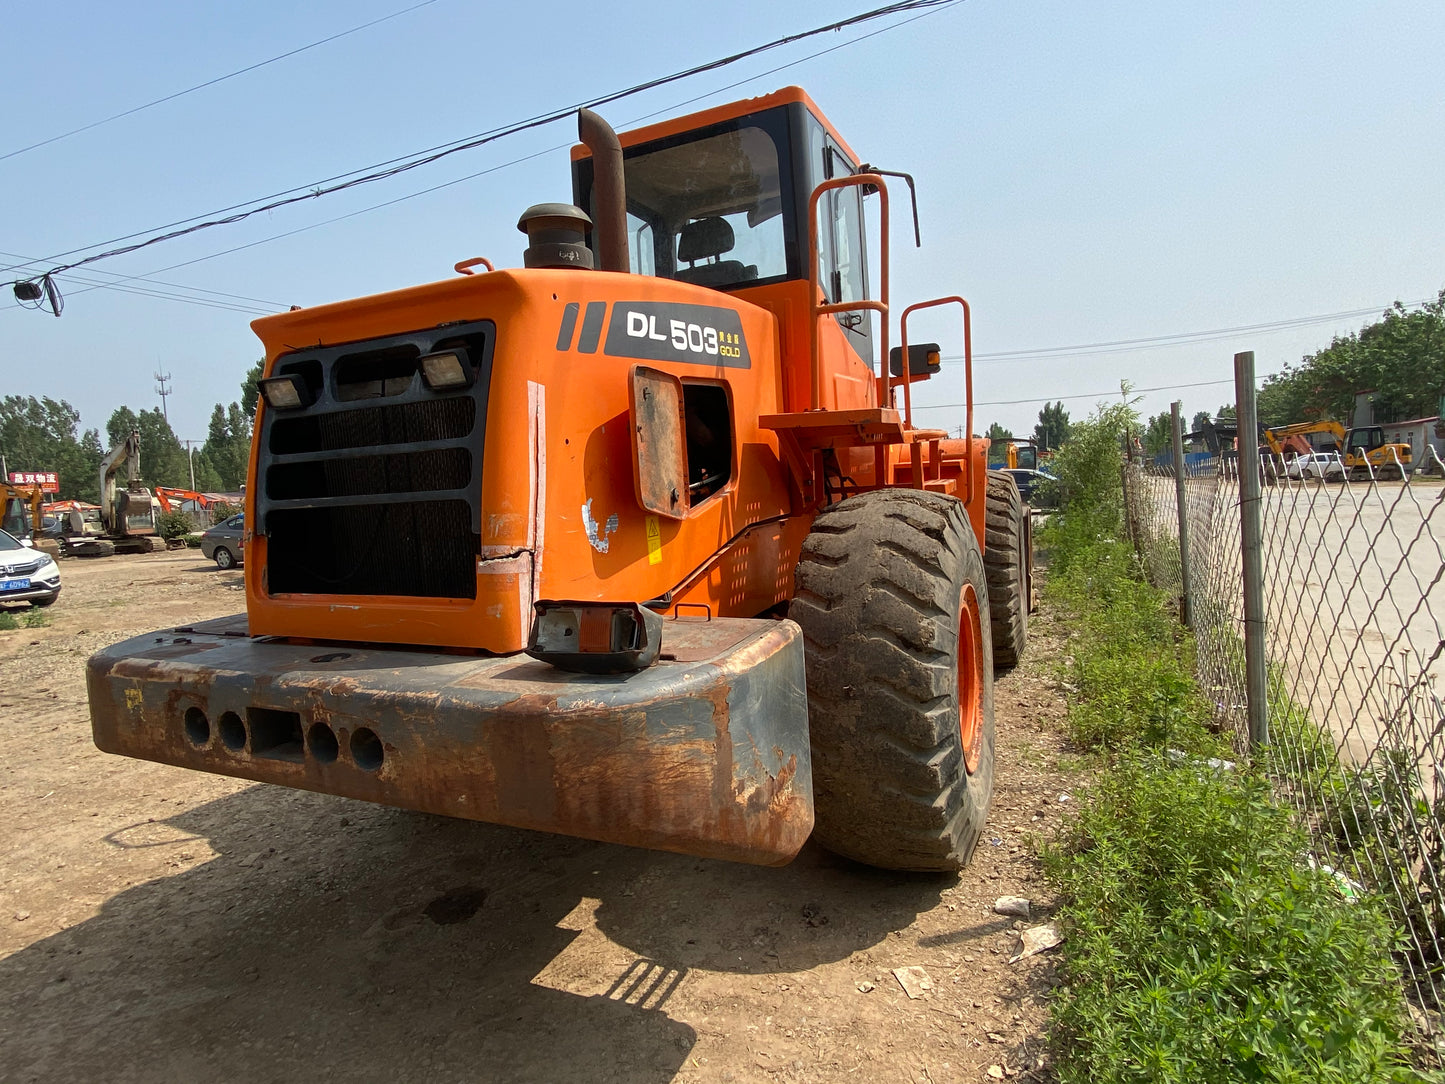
14	585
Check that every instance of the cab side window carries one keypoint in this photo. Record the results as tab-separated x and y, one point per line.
843	269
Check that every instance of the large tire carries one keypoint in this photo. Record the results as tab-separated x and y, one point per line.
891	597
1007	559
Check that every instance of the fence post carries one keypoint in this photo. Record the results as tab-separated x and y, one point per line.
1255	684
1186	601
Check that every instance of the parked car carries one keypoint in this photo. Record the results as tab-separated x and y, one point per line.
222	543
1315	465
1030	482
27	574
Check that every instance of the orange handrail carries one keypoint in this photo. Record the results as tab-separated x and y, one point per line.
967	371
855	180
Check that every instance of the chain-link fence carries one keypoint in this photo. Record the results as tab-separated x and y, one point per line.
1352	573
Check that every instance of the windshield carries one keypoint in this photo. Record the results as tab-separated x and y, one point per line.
9	542
708	207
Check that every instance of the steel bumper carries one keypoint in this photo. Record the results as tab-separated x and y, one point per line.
705	752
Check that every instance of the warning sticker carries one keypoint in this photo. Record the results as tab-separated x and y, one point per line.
654	541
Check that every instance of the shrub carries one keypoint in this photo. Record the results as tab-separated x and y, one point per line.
173	524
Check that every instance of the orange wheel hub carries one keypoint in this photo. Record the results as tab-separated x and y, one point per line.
970	678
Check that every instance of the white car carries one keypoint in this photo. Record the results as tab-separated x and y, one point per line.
27	574
1316	465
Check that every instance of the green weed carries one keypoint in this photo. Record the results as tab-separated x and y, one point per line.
1201	945
1201	949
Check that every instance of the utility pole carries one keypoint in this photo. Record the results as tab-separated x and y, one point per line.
161	380
191	459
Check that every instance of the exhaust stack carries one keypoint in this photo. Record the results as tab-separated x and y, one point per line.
609	234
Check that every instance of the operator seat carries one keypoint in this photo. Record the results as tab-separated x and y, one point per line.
707	239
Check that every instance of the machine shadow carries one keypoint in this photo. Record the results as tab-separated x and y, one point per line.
334	939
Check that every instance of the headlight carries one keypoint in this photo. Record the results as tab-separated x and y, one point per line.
46	563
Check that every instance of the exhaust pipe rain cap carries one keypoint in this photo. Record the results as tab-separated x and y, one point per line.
556	236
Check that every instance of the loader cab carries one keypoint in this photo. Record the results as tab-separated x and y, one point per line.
1364	439
720	199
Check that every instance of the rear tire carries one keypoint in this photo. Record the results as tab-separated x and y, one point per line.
1008	561
892	599
224	558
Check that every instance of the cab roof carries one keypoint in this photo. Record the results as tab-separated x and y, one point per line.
693	121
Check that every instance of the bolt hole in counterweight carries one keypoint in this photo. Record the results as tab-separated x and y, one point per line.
321	743
233	731
198	727
366	749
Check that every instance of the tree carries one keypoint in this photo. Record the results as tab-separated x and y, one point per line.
162	459
998	438
1226	413
208	479
41	435
1053	427
1199	421
251	391
1399	357
123	422
228	447
1159	433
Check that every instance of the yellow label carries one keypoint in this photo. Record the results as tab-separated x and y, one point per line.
134	700
654	541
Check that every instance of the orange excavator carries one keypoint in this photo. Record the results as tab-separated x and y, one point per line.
638	542
176	500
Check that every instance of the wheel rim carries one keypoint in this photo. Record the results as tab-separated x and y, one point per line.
970	678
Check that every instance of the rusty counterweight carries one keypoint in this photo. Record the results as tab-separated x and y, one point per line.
705	752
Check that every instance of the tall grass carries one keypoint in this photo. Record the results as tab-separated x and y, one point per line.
1201	944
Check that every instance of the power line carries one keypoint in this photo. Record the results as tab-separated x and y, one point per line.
490	169
395	166
102	284
212	82
1183	338
1082	395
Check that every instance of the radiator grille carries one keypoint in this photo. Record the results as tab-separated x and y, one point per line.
421	548
370	427
375	487
407	472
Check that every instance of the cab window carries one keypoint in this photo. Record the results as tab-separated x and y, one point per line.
710	207
842	258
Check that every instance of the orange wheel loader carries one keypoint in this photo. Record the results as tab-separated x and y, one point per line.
636	543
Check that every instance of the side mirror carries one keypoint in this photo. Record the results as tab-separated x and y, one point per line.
923	359
27	543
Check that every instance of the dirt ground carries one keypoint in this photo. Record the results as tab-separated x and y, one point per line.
163	925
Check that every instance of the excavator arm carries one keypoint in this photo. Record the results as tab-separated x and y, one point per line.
127	452
1277	436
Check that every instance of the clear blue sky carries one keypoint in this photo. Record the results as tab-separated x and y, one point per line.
1087	172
